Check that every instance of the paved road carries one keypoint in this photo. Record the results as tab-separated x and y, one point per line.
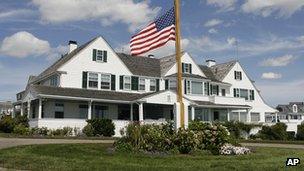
12	142
296	146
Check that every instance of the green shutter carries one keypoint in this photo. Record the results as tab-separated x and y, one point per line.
185	86
190	68
183	67
157	84
121	82
94	54
240	75
234	92
113	81
134	83
84	79
217	90
105	56
166	84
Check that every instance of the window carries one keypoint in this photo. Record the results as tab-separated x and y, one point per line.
201	114
255	117
127	82
234	116
59	110
223	92
101	56
251	94
238	75
54	81
93	80
214	89
186	68
295	108
83	111
243	116
172	85
196	87
206	88
188	88
101	111
105	81
244	93
142	84
236	92
152	85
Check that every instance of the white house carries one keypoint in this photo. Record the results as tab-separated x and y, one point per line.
93	81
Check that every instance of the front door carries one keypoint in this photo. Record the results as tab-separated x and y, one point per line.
216	115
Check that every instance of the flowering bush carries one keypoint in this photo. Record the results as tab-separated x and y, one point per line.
229	149
187	140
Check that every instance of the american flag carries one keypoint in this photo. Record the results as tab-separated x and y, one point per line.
155	34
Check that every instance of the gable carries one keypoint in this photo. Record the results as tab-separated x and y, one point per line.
220	71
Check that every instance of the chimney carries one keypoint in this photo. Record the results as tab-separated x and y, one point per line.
151	56
72	45
210	62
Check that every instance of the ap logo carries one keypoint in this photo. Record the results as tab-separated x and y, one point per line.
292	161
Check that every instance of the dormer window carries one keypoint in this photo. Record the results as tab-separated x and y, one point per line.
295	108
100	55
187	68
238	75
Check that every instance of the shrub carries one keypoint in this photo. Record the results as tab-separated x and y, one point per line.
7	124
300	132
23	120
39	131
197	125
186	140
65	131
20	129
102	127
236	128
88	130
229	149
274	132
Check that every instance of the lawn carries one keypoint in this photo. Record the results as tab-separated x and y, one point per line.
101	157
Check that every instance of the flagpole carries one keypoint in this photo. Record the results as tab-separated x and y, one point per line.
178	62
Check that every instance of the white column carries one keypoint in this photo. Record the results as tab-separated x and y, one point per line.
248	116
131	111
90	110
40	109
209	115
228	115
176	111
28	108
141	112
192	113
21	109
186	115
276	117
239	116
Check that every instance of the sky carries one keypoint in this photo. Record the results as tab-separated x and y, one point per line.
266	36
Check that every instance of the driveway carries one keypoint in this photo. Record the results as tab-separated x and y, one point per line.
12	142
296	146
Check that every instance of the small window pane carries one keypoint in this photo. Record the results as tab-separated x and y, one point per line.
93	80
142	84
197	87
105	81
127	82
152	85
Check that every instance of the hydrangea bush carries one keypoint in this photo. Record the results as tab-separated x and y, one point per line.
229	149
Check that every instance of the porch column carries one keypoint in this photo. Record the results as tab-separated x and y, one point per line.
131	111
40	109
228	115
192	113
141	112
90	110
28	108
21	109
239	116
248	116
276	117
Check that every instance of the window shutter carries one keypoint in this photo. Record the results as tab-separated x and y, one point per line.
185	86
235	75
84	79
234	92
105	56
113	81
183	67
208	88
166	84
94	54
157	84
240	75
190	68
217	90
134	83
121	82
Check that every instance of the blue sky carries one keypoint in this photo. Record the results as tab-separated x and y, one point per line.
269	35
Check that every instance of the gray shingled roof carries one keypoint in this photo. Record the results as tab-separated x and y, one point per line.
221	70
143	66
208	72
207	103
53	68
85	93
284	109
167	62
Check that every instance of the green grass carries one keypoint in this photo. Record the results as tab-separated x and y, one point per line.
11	135
300	142
99	157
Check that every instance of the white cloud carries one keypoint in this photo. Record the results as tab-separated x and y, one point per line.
231	41
212	31
223	5
23	44
134	14
15	13
271	75
213	22
278	61
301	39
265	8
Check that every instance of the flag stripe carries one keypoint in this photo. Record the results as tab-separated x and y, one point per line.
150	27
153	47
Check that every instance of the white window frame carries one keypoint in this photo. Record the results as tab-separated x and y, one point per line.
141	82
238	75
54	81
154	84
126	83
108	75
255	113
172	82
237	93
88	81
187	68
295	108
99	57
188	88
202	87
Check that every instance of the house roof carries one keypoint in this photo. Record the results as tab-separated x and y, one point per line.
208	103
143	66
53	68
221	70
185	75
208	72
85	93
284	109
167	62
